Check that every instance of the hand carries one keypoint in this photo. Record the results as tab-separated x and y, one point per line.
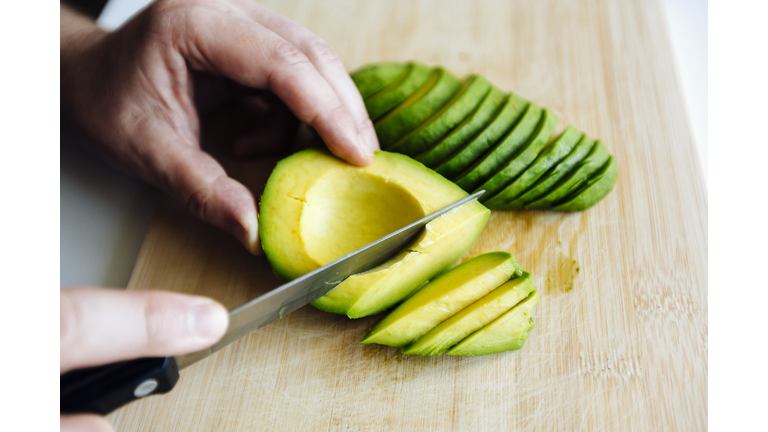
101	326
132	94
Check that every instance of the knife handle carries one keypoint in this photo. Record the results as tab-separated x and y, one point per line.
103	389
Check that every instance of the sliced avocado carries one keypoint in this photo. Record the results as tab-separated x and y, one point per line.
546	182
506	119
373	78
473	317
507	333
398	91
442	297
596	188
522	158
573	181
502	151
422	104
554	153
461	105
475	122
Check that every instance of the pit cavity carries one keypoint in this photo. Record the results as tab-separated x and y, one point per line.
347	209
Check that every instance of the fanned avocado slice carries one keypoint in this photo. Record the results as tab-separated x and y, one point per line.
502	151
473	317
507	333
373	78
443	297
398	91
422	104
554	153
596	189
461	105
510	114
523	157
475	122
583	171
549	180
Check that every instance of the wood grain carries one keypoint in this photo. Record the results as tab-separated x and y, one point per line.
621	332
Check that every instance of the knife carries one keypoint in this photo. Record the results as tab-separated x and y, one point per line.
103	389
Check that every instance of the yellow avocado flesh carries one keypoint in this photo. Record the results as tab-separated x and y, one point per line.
316	208
443	297
507	333
473	317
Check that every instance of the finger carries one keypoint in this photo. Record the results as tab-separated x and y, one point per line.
325	60
253	55
84	423
198	181
100	326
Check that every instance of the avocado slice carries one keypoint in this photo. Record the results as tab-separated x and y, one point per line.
596	189
502	151
421	105
475	122
523	157
398	91
462	104
544	184
554	153
316	208
473	317
507	333
442	297
512	112
580	174
373	78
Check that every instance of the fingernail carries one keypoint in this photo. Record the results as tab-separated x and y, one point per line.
365	149
372	141
208	320
249	235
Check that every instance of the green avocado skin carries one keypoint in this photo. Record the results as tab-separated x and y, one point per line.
583	171
373	78
463	103
411	113
465	130
502	151
551	155
554	175
482	138
596	189
512	111
398	91
523	158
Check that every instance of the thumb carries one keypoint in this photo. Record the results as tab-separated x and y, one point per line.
100	326
200	183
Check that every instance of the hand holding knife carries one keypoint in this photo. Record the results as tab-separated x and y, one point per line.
103	389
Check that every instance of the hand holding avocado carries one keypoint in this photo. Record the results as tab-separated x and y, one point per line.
135	95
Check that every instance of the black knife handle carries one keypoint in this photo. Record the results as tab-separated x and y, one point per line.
103	389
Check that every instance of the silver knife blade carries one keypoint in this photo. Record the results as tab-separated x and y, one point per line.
300	292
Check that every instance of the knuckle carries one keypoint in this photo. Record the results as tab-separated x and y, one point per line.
289	55
198	202
322	51
153	325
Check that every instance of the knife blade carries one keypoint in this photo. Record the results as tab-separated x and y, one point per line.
103	389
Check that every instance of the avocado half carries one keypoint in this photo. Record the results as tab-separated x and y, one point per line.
483	139
316	208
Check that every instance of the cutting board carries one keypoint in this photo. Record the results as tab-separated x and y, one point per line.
620	341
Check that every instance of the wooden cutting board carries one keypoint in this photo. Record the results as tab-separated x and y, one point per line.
620	341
